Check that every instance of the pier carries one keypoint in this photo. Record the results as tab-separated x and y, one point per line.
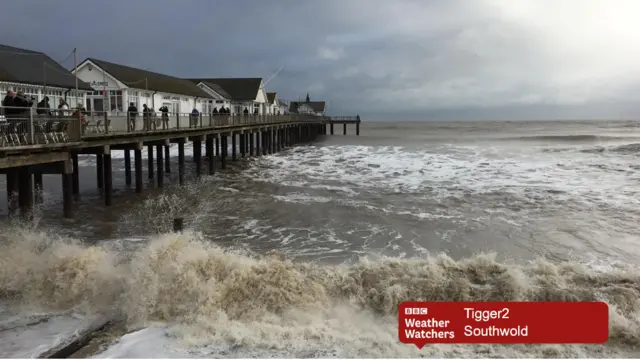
32	145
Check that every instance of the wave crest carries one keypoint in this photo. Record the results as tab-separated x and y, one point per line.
212	294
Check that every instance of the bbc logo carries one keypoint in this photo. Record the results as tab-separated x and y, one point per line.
416	311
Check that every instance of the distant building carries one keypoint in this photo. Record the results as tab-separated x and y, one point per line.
38	75
236	94
274	105
115	86
282	106
307	107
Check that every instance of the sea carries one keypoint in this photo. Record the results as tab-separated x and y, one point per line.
308	252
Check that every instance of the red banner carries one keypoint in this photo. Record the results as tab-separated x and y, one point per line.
422	323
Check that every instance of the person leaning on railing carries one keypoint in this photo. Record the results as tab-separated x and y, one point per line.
80	113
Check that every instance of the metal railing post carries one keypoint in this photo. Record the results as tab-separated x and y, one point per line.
177	120
200	120
106	123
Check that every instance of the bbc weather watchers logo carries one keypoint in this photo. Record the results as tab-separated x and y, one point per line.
416	311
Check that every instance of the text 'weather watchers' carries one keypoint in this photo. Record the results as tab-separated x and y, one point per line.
422	323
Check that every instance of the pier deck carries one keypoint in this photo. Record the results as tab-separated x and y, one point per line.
35	147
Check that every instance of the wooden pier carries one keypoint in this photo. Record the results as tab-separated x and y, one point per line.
24	165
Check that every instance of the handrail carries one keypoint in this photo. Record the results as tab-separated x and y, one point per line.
21	126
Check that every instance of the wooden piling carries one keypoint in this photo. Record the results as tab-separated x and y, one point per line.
67	195
209	149
150	161
167	159
223	151
108	179
217	142
12	191
160	165
76	174
251	146
100	170
274	139
344	129
197	156
181	161
242	145
66	176
127	167
25	191
331	128
137	154
37	184
233	146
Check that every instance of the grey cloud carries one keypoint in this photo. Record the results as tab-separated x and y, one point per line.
383	59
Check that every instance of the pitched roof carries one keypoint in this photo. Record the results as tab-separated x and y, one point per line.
36	68
155	81
219	90
238	89
271	97
317	106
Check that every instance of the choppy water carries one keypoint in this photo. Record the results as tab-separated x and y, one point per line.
308	252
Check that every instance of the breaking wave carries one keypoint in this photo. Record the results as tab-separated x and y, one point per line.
569	138
207	295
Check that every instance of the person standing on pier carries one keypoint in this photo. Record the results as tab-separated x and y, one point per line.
165	117
43	107
195	116
146	118
62	105
8	103
132	113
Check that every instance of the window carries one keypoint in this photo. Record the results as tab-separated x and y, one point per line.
73	99
115	101
133	98
219	101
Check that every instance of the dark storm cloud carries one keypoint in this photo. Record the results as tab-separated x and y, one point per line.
401	59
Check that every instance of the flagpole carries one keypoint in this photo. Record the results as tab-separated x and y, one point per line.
75	71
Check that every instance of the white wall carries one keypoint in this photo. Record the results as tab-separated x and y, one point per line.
98	79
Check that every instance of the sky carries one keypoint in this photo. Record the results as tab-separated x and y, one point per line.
382	59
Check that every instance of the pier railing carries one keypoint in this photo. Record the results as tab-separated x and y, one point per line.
345	118
23	126
101	123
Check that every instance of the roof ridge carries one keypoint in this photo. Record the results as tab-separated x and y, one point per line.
133	68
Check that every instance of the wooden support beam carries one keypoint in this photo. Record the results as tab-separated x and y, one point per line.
13	161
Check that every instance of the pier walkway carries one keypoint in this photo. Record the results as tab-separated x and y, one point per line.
33	144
